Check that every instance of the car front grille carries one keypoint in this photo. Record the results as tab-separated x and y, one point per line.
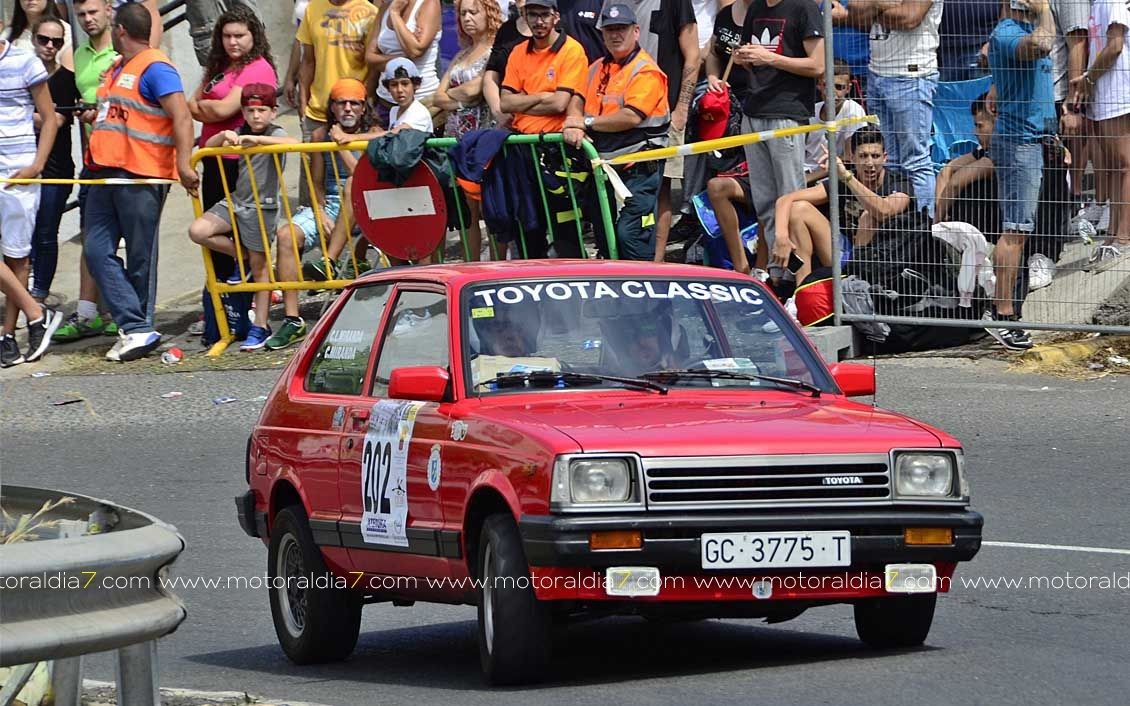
757	481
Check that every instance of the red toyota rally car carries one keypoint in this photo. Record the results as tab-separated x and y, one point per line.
550	440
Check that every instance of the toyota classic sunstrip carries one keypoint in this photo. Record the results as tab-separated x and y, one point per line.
553	440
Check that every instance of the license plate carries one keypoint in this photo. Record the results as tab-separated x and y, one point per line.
775	550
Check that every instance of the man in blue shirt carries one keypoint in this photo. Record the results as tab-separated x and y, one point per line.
1022	73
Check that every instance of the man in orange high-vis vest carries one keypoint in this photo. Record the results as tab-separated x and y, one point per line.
623	110
143	130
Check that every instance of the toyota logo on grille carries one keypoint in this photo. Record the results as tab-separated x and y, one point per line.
842	480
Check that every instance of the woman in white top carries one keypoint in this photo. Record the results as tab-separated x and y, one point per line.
1106	87
461	90
410	29
25	15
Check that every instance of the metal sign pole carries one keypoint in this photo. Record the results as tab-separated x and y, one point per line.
833	174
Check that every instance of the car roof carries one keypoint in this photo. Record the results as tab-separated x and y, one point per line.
460	274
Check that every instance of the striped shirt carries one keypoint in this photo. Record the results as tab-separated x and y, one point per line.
19	72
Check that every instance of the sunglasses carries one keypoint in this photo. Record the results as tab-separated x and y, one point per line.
44	41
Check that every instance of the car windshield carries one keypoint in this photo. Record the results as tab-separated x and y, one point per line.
676	332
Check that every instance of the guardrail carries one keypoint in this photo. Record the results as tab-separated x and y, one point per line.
62	598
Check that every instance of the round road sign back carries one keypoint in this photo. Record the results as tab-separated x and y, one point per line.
406	221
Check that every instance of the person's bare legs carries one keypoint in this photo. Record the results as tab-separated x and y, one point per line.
663	220
17	297
1006	261
343	226
212	232
288	241
19	267
811	234
1118	144
723	192
261	271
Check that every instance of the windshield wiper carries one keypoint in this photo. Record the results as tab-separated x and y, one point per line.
676	373
549	378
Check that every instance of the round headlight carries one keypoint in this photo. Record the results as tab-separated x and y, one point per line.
925	475
600	480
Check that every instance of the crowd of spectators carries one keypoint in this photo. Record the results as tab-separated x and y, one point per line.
627	75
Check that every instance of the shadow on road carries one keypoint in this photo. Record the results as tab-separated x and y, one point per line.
445	655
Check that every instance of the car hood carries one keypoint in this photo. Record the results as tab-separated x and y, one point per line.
720	424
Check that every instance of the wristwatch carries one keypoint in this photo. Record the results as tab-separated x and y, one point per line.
589	120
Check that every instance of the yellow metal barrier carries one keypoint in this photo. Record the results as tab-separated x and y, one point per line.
217	289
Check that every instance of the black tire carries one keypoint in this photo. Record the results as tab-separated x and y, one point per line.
885	623
515	629
313	624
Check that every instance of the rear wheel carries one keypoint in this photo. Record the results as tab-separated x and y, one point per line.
515	629
314	624
904	621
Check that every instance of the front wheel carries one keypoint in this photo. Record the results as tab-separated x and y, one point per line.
314	620
903	621
515	629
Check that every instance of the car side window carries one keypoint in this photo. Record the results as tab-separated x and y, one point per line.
416	335
339	364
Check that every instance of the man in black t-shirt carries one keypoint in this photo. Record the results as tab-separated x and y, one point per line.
866	202
578	20
512	32
782	54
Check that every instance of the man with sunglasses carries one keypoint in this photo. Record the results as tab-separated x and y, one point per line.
542	76
624	109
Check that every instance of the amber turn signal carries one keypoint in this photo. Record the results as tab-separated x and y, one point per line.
928	535
620	539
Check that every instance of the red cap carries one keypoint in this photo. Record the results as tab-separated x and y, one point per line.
259	94
713	115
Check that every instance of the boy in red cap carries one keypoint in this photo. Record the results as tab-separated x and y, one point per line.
215	229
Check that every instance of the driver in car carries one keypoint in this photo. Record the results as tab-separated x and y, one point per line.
643	344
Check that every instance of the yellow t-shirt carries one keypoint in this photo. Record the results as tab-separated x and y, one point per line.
338	34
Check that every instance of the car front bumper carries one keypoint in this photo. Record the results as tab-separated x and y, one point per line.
673	542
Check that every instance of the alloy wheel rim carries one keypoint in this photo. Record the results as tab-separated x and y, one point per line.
292	597
488	599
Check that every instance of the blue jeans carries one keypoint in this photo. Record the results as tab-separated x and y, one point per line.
132	213
1019	168
45	239
905	107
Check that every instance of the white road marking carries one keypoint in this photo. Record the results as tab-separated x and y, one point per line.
1058	547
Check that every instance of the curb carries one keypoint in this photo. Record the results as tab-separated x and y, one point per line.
1059	353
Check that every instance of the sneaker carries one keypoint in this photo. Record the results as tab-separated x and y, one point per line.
256	338
75	328
1093	212
196	328
1105	257
290	332
115	350
316	270
137	345
347	272
111	328
10	352
1083	228
39	333
1041	270
1014	339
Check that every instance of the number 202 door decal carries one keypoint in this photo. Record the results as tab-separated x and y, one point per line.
384	471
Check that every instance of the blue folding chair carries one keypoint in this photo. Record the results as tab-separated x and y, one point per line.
953	124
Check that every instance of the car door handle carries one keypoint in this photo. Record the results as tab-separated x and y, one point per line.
359	419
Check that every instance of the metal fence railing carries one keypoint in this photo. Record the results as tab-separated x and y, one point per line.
1008	133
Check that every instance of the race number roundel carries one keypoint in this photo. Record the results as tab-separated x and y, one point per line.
406	221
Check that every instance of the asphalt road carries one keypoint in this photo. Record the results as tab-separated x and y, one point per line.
1047	460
